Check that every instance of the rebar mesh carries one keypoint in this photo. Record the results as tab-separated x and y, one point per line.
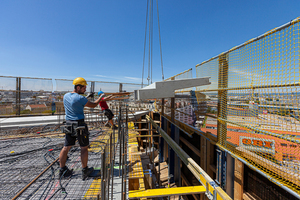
22	160
29	161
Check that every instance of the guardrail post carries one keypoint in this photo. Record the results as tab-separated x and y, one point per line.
222	98
162	141
172	155
125	157
222	113
18	95
177	170
92	90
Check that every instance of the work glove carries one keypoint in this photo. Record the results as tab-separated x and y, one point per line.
90	95
102	95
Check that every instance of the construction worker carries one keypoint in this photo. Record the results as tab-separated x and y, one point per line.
74	104
104	107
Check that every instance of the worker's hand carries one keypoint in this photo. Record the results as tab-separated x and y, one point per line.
90	95
102	95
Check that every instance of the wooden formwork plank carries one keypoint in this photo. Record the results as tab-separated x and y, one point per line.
238	180
135	167
136	173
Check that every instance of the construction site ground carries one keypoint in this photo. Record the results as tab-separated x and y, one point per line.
33	158
25	158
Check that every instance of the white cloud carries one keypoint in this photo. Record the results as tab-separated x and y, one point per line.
101	76
247	75
132	78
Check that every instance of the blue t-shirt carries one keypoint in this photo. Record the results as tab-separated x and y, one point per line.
74	105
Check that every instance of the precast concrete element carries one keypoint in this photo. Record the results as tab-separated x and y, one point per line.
166	89
15	122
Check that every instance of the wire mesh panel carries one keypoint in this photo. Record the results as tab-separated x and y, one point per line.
208	69
107	87
24	95
36	96
36	84
128	87
64	85
182	75
7	106
254	100
7	83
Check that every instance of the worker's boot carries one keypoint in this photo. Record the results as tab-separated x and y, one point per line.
86	172
65	172
114	127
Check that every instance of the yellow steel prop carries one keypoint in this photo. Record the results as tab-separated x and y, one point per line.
161	192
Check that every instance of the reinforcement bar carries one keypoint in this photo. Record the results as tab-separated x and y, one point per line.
162	192
15	197
213	191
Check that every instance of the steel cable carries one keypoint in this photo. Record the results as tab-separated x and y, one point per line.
145	44
161	60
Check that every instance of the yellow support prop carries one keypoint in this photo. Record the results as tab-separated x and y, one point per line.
162	192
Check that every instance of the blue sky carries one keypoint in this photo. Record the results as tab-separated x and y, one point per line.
104	40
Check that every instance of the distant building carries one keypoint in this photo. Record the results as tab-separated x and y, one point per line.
8	100
37	108
41	98
6	110
59	107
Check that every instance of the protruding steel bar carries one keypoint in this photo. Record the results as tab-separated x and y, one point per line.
112	163
146	145
159	141
123	166
121	163
147	138
119	138
103	174
34	179
126	145
109	163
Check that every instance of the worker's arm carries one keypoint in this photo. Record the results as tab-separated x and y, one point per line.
93	104
108	98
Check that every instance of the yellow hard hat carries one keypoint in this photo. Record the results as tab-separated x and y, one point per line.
79	81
